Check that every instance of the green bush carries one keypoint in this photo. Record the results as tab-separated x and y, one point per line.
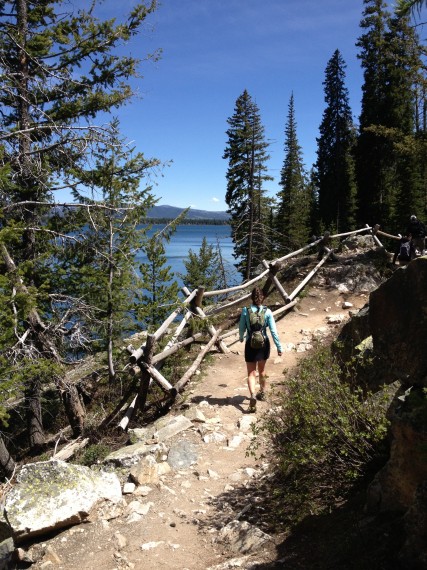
94	454
320	436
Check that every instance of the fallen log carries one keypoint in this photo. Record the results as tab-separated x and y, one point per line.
69	450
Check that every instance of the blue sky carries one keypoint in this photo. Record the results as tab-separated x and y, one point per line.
212	51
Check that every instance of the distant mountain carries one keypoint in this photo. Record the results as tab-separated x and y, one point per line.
171	212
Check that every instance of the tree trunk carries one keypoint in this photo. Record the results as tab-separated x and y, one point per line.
36	437
74	408
110	312
7	464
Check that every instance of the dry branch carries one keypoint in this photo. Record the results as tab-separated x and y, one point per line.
272	274
163	355
183	381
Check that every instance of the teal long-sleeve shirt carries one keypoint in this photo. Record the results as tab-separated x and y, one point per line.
269	323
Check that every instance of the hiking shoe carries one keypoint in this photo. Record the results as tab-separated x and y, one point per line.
252	405
261	396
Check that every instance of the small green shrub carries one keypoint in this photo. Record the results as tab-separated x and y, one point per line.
93	454
320	436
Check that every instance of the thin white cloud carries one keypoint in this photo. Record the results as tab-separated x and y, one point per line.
214	199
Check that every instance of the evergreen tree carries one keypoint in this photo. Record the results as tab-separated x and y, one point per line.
104	270
159	294
315	226
388	176
247	157
59	72
202	268
335	160
404	7
294	198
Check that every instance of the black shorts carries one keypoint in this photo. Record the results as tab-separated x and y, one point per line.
257	354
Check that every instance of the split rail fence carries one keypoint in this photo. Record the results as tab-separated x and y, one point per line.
145	363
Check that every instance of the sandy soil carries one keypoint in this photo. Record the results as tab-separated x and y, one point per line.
188	507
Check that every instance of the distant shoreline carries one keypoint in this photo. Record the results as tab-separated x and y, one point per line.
187	222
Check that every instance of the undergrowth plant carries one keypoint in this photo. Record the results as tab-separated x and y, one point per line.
320	436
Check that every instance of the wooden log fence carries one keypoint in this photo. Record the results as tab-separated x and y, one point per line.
144	363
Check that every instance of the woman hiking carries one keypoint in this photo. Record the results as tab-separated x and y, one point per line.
254	320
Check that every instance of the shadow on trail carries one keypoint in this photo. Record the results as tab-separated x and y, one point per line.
239	402
345	538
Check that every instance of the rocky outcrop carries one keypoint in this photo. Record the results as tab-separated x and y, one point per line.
398	322
406	470
52	494
352	334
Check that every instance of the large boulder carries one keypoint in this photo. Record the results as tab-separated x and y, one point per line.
53	494
397	482
398	322
352	334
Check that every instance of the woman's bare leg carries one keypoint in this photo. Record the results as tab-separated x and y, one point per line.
251	366
262	375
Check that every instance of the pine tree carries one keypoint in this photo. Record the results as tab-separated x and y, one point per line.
404	7
159	294
104	271
387	174
294	198
335	160
59	72
247	156
202	268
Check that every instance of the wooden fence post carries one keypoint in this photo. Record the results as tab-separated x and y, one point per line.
145	376
198	310
374	234
272	270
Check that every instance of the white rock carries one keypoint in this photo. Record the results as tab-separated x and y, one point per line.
235	441
335	319
128	488
245	422
214	437
151	545
213	474
142	490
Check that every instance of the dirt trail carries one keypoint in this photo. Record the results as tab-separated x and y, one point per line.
181	526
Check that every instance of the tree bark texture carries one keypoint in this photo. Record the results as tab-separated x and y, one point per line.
7	464
33	411
74	408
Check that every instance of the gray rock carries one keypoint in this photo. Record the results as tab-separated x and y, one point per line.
245	562
132	454
6	548
182	454
53	494
398	320
173	427
242	537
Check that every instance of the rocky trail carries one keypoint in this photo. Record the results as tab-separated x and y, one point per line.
193	516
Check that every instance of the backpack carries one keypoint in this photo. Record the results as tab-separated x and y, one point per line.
405	251
256	326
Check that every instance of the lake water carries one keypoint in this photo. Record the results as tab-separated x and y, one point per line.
189	237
